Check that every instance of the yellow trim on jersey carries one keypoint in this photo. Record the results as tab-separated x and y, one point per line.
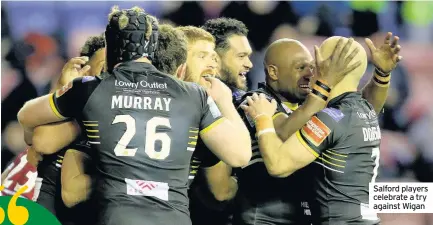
54	108
194	131
333	158
336	153
331	162
91	125
94	131
212	125
192	143
92	136
305	144
193	137
292	106
277	115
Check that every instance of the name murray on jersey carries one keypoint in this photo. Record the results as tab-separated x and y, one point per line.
137	102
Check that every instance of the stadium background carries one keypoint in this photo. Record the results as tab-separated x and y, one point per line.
38	37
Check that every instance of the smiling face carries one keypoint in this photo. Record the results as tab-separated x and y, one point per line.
289	67
235	62
201	61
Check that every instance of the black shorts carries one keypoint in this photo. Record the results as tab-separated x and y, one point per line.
271	212
136	215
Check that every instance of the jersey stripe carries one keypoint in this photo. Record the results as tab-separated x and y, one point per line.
208	128
54	108
305	144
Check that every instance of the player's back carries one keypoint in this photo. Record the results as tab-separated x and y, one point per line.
349	162
144	125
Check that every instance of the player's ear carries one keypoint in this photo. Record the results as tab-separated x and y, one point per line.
272	72
180	72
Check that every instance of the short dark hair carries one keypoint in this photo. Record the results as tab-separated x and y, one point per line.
171	51
92	45
222	28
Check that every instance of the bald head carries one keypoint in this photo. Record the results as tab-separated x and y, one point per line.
328	46
278	52
288	68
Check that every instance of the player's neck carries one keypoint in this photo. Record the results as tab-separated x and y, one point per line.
341	88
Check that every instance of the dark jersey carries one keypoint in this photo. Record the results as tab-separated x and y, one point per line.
204	208
49	171
143	125
345	138
266	199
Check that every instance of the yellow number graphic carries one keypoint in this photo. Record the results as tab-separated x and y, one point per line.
2	211
18	215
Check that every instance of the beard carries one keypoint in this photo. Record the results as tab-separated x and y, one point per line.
231	78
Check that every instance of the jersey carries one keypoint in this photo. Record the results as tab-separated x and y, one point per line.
266	199
20	173
204	207
345	138
49	172
143	125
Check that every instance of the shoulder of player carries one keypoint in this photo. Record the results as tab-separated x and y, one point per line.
332	116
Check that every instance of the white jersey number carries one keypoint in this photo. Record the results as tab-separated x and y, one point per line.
151	137
376	155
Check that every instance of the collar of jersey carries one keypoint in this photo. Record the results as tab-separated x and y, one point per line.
135	66
269	90
291	106
343	96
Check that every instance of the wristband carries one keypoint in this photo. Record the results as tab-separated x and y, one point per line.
320	95
321	90
267	130
381	79
381	73
263	122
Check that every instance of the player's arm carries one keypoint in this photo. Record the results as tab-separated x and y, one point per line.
50	138
59	106
385	59
218	175
283	158
286	126
76	184
224	132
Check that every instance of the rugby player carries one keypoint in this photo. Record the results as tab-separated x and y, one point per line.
341	139
55	192
214	186
289	70
130	169
22	171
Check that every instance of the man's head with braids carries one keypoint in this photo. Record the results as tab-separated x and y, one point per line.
171	52
131	34
94	48
233	49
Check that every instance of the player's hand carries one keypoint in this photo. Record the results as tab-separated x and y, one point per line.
259	105
385	57
218	91
33	157
333	69
73	69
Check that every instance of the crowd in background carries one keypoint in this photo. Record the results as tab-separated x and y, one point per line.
39	37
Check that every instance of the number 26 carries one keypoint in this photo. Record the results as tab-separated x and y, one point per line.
151	137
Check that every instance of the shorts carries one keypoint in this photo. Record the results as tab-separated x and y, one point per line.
271	212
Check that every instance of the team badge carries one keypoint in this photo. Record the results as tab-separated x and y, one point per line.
315	131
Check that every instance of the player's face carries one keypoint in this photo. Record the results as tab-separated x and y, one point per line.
97	62
235	62
294	79
201	61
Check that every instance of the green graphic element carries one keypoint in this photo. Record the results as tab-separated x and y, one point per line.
38	215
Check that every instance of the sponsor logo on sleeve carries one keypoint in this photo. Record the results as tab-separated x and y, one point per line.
87	79
335	114
315	131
